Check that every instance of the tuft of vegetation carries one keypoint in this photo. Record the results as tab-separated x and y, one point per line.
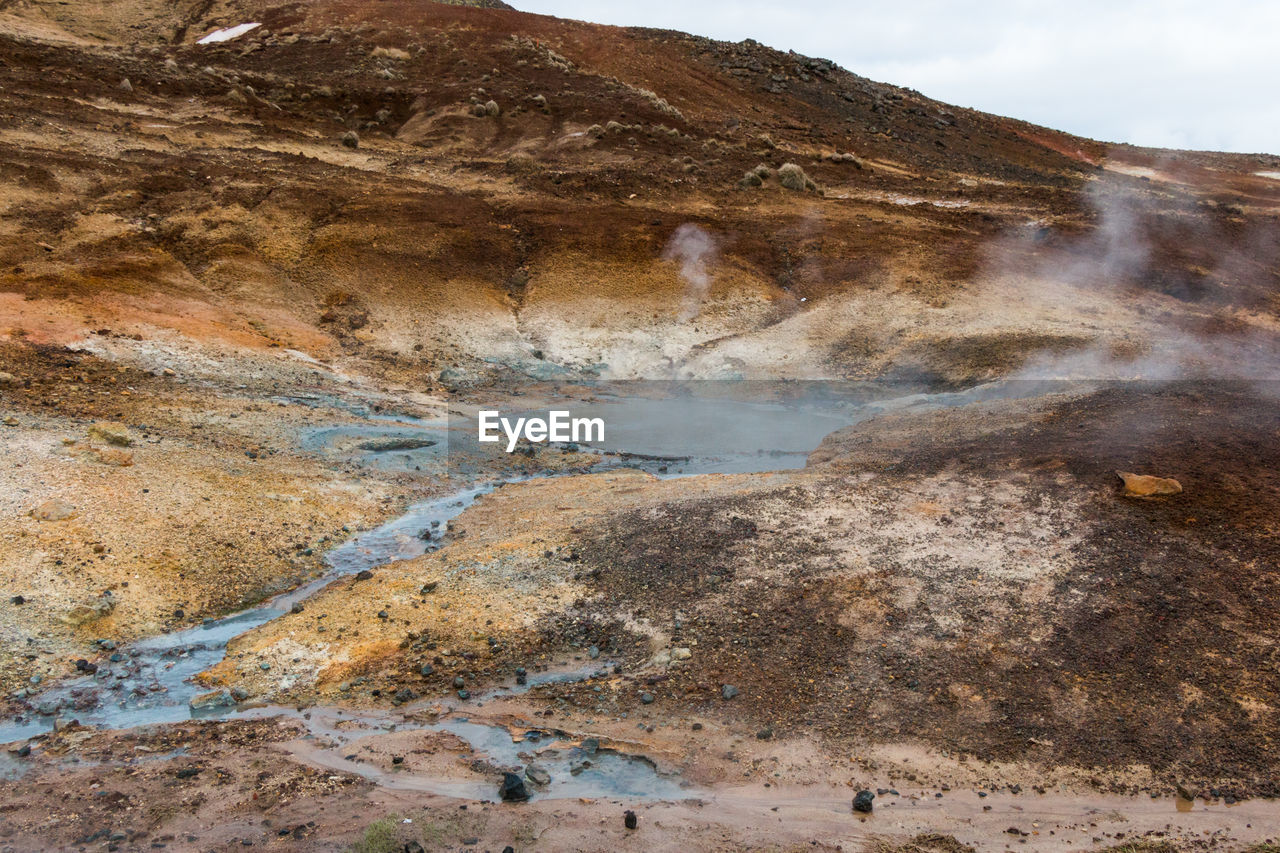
793	177
351	139
763	172
615	127
595	131
923	843
1143	847
492	109
750	180
393	53
379	837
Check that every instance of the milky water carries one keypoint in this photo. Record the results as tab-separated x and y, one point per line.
152	684
682	436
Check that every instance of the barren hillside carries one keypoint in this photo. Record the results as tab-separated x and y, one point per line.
247	276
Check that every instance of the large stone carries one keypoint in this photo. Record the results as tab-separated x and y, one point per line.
862	802
82	614
1147	486
53	510
212	700
513	789
111	456
112	433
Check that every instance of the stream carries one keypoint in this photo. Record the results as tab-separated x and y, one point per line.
151	681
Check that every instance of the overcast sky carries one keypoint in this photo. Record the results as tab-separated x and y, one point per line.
1172	74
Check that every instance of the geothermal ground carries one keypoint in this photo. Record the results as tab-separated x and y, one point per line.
263	590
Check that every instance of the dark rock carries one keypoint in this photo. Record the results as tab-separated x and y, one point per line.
537	774
512	789
629	819
405	694
296	608
427	669
18	599
862	802
646	698
728	691
522	677
382	614
397	759
764	734
363	575
413	847
464	694
188	772
459	681
429	586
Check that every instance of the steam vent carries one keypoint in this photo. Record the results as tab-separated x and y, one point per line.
441	426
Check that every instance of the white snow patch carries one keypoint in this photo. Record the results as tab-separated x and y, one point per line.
1275	176
227	33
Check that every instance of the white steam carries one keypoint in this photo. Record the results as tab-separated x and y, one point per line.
695	249
1173	323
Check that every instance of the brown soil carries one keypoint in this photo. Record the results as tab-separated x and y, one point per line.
950	598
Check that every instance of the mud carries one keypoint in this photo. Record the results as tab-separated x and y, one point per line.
236	351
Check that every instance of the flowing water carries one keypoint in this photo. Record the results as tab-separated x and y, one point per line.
151	682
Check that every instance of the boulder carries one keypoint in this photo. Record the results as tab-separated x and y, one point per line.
110	456
53	510
212	700
512	789
112	433
1147	486
84	613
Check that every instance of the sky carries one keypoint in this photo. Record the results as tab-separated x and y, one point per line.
1171	74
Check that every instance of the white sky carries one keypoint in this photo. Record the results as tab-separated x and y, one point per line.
1172	74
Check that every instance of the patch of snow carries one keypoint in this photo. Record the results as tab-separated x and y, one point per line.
1275	176
227	33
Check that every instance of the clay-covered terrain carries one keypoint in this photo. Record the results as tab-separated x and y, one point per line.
252	289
